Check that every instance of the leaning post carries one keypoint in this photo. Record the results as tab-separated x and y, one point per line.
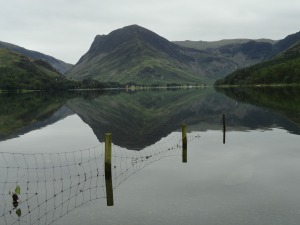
184	143
107	168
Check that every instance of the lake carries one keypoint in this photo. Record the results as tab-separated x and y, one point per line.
52	157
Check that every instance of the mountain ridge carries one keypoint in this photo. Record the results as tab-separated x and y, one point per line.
18	71
281	69
59	65
136	54
285	43
202	45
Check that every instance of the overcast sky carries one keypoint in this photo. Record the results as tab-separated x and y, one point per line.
65	29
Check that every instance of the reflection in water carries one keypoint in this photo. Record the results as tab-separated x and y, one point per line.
283	100
22	113
184	143
52	185
48	186
107	170
140	119
125	162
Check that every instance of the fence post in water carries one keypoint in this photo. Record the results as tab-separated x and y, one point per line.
107	168
184	143
224	129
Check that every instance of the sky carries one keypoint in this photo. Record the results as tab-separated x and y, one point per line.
65	29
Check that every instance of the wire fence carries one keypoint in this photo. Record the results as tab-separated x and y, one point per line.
43	187
51	185
126	163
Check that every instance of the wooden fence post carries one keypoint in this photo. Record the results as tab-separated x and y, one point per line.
107	168
224	129
184	143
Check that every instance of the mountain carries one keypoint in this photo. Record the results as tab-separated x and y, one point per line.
135	54
203	45
59	65
241	52
285	43
282	69
245	54
20	72
252	50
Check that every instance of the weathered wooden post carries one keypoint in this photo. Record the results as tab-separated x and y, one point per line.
224	129
107	168
184	143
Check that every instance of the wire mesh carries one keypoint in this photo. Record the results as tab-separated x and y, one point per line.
43	187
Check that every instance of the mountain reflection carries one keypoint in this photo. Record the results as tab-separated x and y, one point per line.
139	119
285	101
22	113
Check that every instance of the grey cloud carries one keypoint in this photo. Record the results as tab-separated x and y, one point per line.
66	28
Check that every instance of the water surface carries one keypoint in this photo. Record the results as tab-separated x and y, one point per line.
52	147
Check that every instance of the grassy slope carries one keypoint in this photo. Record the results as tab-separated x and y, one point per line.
59	65
20	72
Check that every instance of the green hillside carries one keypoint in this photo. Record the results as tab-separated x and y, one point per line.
283	69
20	72
59	65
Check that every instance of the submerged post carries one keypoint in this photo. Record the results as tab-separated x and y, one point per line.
224	129
107	168
184	143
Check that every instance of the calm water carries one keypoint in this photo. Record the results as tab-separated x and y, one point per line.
51	147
